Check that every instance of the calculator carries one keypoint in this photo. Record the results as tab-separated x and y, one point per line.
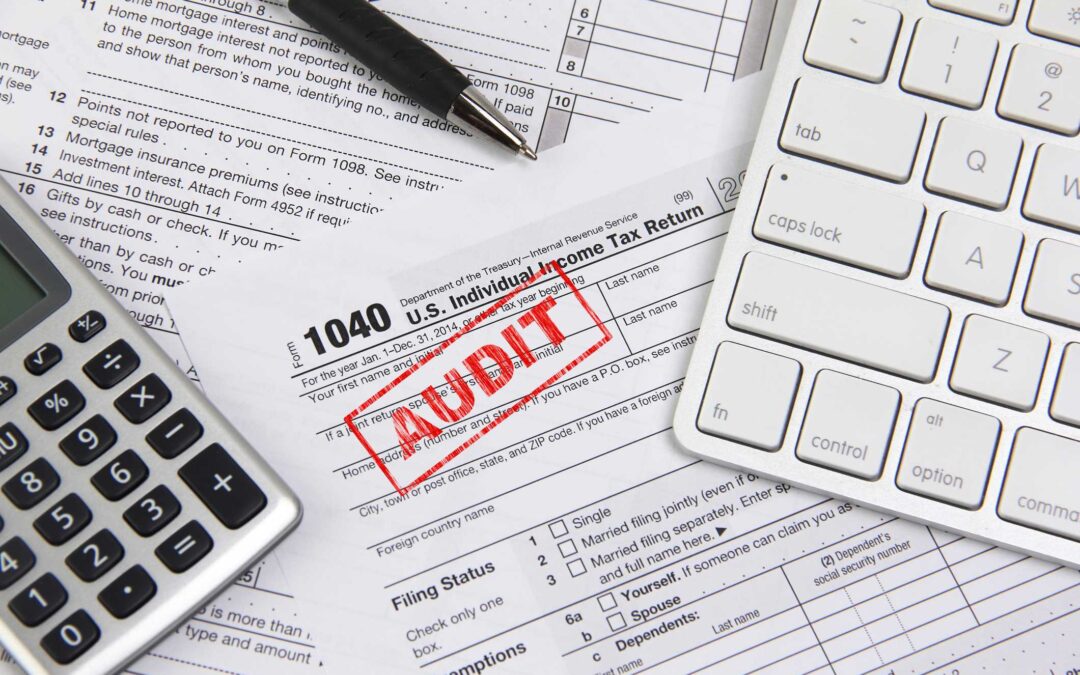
128	500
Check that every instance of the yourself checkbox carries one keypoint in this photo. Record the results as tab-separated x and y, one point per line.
616	621
607	602
567	548
576	567
558	529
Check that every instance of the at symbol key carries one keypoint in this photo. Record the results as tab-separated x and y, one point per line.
112	365
223	486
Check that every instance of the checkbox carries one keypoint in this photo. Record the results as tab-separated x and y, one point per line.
558	529
616	621
576	567
607	602
567	548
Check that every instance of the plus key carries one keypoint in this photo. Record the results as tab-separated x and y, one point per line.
223	486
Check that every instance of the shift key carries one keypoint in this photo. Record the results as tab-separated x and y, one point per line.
838	316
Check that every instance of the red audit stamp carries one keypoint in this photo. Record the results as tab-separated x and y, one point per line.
494	361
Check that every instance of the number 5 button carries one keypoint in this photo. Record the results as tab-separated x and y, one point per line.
223	486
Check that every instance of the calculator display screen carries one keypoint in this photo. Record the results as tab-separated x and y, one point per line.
18	292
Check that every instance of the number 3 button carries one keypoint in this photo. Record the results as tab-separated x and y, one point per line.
152	512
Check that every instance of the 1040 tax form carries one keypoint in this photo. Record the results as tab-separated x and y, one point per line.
480	430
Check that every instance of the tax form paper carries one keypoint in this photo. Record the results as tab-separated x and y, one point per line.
480	431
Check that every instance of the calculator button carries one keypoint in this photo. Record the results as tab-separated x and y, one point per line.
87	326
176	434
185	548
153	512
96	556
32	484
112	364
144	400
39	601
69	640
43	358
7	388
89	441
16	559
119	477
223	486
13	445
128	593
63	521
57	406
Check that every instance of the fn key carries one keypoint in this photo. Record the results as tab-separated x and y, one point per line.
223	486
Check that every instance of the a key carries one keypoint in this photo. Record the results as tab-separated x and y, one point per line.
1066	404
1054	287
144	399
42	359
64	520
39	600
1040	483
749	396
7	388
13	445
848	425
69	640
1040	90
948	453
996	11
839	316
86	326
57	406
1053	193
89	441
112	365
16	559
119	477
223	486
187	546
1057	19
853	128
949	63
176	434
999	362
853	37
153	511
95	556
974	163
812	212
31	485
974	258
129	592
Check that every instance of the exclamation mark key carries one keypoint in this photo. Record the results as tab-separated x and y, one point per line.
949	63
185	547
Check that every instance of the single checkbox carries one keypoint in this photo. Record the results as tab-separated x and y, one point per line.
558	529
616	621
567	548
576	567
607	602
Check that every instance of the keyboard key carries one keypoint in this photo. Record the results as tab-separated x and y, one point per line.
57	406
948	453
848	425
176	434
995	11
1040	90
112	365
1066	405
96	556
1054	285
130	591
16	559
973	162
144	400
153	512
86	326
7	388
749	396
949	63
39	600
853	128
838	316
1056	19
43	359
853	37
33	484
1040	483
839	220
13	445
974	258
1053	194
72	638
185	548
223	486
63	521
119	477
89	441
999	362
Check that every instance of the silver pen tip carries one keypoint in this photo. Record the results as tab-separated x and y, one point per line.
528	152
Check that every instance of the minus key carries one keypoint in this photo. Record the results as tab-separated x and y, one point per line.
176	434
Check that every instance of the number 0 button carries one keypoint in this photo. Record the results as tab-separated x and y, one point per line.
223	486
69	640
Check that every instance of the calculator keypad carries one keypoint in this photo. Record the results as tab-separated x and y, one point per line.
130	591
143	400
70	639
57	406
96	556
13	445
64	520
112	365
86	326
39	600
43	359
16	559
176	434
33	484
7	388
119	477
89	441
153	511
223	486
185	548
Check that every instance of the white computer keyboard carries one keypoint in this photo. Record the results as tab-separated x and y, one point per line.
894	318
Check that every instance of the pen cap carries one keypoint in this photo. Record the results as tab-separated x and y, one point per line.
377	41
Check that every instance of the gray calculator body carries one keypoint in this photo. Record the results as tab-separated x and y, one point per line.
127	500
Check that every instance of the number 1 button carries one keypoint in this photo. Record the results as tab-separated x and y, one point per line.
223	486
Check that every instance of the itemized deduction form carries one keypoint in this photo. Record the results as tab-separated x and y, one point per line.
480	430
